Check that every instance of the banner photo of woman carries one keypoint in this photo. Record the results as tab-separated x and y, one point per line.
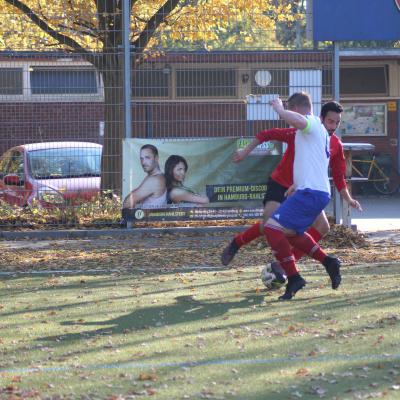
178	179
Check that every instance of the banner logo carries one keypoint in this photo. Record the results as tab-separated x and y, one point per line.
397	4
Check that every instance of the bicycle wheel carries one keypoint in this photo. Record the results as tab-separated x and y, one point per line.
385	184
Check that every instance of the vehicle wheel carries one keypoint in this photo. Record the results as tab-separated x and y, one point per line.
387	186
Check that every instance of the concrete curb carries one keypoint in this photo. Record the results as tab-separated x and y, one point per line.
96	233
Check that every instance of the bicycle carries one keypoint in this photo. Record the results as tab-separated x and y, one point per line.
382	183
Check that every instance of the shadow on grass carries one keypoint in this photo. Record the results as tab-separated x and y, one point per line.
340	377
84	286
186	309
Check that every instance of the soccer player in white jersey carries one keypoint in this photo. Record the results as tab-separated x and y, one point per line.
309	195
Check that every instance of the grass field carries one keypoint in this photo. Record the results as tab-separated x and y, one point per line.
208	334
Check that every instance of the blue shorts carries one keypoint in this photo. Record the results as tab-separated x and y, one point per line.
299	211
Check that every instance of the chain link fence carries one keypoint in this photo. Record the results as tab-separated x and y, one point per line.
61	91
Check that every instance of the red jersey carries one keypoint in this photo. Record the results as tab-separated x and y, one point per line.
283	172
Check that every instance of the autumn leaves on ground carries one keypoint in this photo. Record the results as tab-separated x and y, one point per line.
127	317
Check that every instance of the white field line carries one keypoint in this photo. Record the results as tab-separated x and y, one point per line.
191	364
183	267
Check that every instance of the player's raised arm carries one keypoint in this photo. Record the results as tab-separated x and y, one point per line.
291	117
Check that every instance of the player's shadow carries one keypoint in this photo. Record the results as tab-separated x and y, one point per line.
186	309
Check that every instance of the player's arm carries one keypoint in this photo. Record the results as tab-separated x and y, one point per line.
345	194
338	167
278	134
241	154
294	119
137	195
179	195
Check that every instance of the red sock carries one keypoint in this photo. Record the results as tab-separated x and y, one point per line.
316	235
308	245
248	235
281	249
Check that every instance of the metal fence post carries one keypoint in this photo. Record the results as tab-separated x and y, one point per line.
127	69
336	95
127	75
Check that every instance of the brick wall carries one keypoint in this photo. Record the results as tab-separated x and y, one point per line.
22	123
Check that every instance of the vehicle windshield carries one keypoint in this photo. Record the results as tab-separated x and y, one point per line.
68	162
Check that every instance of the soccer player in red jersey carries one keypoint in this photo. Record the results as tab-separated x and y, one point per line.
282	178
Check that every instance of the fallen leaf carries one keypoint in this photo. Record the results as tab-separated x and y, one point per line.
147	377
302	372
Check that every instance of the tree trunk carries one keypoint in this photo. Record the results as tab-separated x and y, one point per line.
111	166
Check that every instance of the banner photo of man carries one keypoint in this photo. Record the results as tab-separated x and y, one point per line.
178	179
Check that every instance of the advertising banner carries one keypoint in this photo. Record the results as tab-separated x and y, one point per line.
194	179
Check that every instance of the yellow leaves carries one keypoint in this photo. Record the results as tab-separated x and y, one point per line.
51	282
302	372
87	40
190	23
59	15
282	17
147	377
231	40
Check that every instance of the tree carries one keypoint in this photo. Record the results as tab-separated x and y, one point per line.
93	29
291	32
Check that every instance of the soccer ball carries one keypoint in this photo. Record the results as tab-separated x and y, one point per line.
267	276
269	279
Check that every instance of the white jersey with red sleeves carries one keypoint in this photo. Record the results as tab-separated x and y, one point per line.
311	158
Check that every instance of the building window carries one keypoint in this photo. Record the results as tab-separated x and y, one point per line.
206	83
278	82
364	80
357	81
148	82
11	81
327	80
63	81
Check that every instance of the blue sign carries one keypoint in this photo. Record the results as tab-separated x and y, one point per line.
343	20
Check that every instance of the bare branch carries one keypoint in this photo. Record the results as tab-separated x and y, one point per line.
140	19
62	39
154	22
89	29
85	32
59	37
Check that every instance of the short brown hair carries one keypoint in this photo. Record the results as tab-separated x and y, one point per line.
301	100
150	147
331	106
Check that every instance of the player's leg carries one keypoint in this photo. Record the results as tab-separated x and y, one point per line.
307	206
317	231
256	230
309	246
250	234
276	232
274	196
